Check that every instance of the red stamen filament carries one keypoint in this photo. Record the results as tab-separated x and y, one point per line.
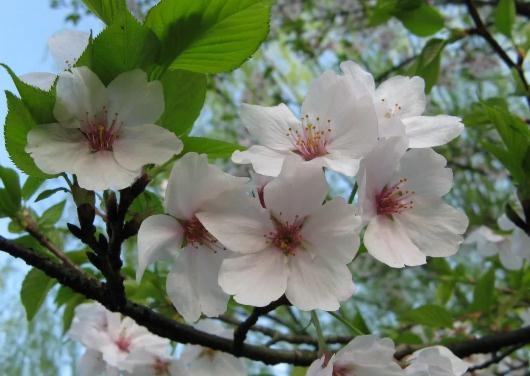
161	367
196	235
286	237
394	199
99	133
123	343
312	140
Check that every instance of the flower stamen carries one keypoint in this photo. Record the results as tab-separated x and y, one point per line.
393	199
312	140
99	133
286	237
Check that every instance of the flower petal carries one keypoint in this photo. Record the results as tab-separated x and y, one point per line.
400	97
429	131
56	149
192	284
80	95
99	171
159	237
435	227
149	143
193	181
265	161
256	279
135	100
425	172
345	165
66	46
332	231
359	75
387	241
237	221
299	190
318	282
270	125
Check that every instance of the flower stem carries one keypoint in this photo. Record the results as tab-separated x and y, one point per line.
353	192
353	329
322	347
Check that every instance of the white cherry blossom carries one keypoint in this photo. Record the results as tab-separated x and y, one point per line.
400	102
400	199
435	361
294	246
363	356
114	342
337	127
181	238
103	135
65	48
203	361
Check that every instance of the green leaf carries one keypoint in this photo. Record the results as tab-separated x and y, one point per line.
423	21
505	17
444	291
50	217
123	46
145	205
30	186
184	94
409	338
209	36
382	12
39	103
213	148
428	65
69	310
107	10
11	195
18	123
430	315
50	192
34	289
483	293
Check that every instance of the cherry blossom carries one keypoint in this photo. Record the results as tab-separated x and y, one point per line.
338	125
181	237
104	135
435	361
400	102
203	361
295	245
65	48
363	356
400	200
114	342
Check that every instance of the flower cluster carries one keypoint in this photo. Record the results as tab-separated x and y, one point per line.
116	345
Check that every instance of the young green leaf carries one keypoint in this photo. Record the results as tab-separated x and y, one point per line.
213	148
209	36
430	315
428	65
423	21
30	186
18	123
484	292
505	16
106	10
12	186
34	289
50	217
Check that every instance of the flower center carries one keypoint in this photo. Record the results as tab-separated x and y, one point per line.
390	111
393	199
123	343
207	353
312	140
286	237
99	132
341	371
195	234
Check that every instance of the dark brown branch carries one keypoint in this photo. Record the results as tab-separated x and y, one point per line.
496	358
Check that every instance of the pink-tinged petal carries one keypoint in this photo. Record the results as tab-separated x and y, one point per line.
204	360
317	368
376	171
149	143
297	192
237	221
193	181
429	131
192	284
318	282
387	241
425	172
359	76
270	125
400	97
135	100
368	348
159	238
80	95
510	259
265	161
256	279
435	227
42	80
438	360
355	129
332	231
99	171
55	148
66	46
343	164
